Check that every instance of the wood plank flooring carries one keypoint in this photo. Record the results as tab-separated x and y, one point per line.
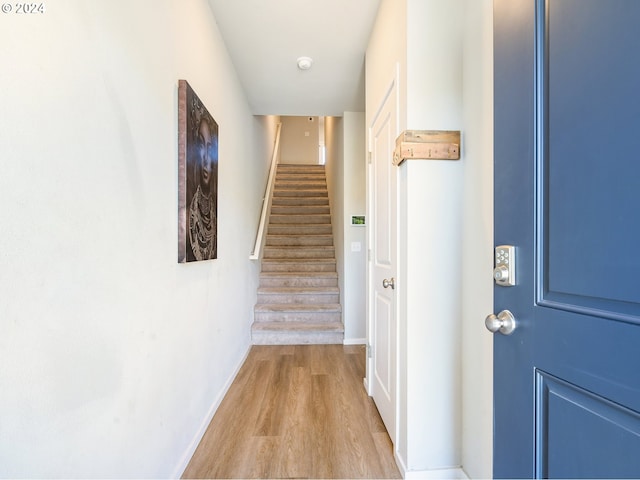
296	411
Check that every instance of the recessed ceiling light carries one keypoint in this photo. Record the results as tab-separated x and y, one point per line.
304	63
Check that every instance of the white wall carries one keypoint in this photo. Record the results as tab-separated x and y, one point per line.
299	141
354	196
346	172
334	167
430	230
113	355
477	240
441	48
265	130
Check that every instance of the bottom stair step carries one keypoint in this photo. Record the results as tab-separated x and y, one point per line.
296	333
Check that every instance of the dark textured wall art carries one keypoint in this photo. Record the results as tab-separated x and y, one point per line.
197	178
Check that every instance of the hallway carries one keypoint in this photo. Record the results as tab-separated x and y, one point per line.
296	412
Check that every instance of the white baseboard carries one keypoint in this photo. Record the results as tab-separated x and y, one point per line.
354	341
440	474
455	473
186	457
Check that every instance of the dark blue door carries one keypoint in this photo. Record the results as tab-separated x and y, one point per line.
567	196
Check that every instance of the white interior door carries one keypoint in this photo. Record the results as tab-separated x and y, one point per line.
382	270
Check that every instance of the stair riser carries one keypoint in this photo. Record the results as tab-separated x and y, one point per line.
315	317
284	229
302	177
299	240
308	185
301	266
295	219
300	193
293	252
301	166
298	282
304	298
300	210
302	170
296	338
299	201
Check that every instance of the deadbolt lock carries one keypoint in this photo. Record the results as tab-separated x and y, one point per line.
505	271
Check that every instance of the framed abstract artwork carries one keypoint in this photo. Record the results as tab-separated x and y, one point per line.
197	178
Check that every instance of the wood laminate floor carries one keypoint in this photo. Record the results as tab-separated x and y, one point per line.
296	412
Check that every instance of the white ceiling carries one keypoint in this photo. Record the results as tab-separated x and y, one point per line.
265	37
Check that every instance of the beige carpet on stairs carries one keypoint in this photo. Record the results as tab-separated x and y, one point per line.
298	296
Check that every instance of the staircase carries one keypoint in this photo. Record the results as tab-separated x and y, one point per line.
298	296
